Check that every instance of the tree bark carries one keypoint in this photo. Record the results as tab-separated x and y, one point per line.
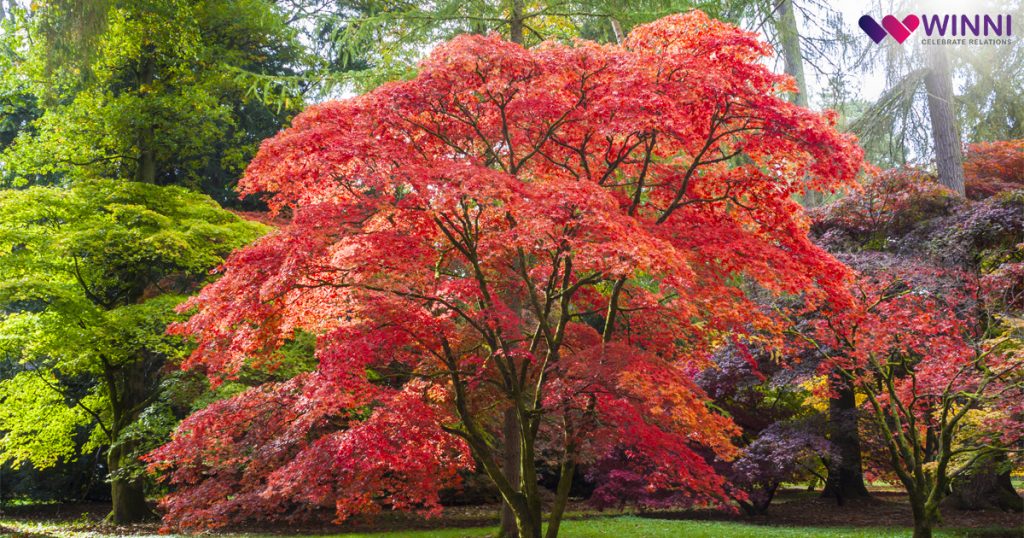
789	41
511	523
620	36
561	497
516	22
128	496
845	476
948	153
985	487
510	466
925	516
922	531
128	388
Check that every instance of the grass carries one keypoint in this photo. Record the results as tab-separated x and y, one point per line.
624	526
595	527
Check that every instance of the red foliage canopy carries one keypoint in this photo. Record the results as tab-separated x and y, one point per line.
942	387
563	232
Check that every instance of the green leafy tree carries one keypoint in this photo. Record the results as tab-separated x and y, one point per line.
148	90
91	276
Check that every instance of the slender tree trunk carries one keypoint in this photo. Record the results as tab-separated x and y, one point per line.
510	466
792	54
948	153
845	476
789	41
511	521
561	498
620	36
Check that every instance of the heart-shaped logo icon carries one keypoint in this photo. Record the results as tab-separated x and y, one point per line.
872	28
900	30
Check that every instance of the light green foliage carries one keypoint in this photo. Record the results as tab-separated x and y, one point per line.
39	427
89	278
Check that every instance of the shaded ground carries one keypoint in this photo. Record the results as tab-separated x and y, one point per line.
793	509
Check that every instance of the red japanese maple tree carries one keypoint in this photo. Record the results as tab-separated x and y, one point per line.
942	380
557	236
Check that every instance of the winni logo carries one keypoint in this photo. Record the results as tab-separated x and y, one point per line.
960	26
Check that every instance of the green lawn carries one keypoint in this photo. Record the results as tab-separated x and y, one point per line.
627	526
598	527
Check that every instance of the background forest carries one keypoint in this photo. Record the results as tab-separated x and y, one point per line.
302	261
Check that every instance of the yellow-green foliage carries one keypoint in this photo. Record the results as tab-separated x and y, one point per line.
89	279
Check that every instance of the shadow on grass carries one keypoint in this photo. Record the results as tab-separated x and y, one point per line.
8	532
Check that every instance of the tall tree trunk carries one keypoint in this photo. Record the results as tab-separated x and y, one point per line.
948	153
789	41
510	523
845	476
620	36
145	171
510	466
516	22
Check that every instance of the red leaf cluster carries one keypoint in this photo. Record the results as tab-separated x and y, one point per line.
890	203
914	343
993	167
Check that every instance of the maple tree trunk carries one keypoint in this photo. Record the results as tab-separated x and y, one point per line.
561	498
948	153
845	476
510	466
128	496
925	516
